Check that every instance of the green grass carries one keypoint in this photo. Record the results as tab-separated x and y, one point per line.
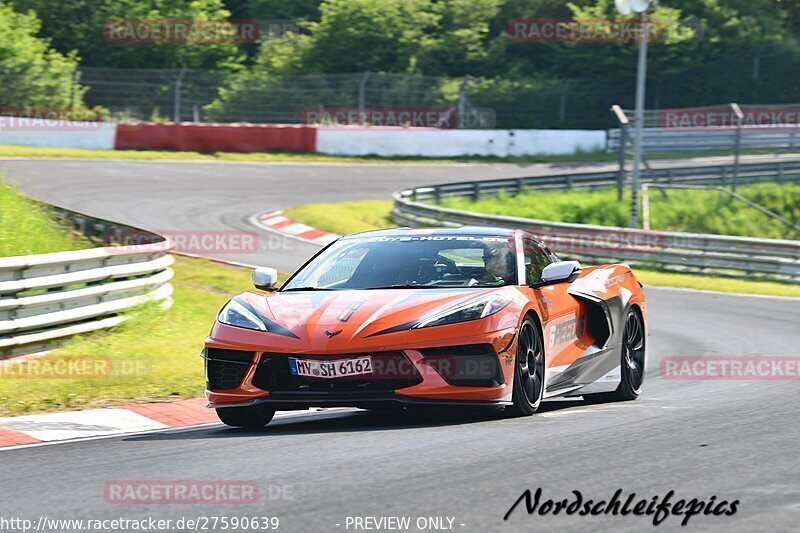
598	156
356	216
152	356
344	217
27	228
694	211
32	151
658	278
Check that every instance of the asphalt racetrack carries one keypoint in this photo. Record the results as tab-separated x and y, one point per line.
736	440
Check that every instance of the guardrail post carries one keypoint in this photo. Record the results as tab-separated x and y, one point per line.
670	175
176	111
780	171
518	182
476	191
738	148
622	118
569	182
623	136
437	194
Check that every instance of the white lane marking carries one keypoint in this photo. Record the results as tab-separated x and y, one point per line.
77	424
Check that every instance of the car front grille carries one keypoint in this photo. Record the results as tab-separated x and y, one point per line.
225	369
391	371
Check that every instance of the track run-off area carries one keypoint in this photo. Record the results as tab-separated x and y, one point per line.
736	440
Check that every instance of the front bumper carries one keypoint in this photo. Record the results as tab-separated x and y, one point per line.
479	373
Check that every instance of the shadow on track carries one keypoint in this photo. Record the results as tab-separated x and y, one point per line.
358	420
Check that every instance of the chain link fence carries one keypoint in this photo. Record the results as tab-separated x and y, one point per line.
766	75
203	96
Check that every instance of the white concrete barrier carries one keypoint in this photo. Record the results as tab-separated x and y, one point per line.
353	140
447	143
88	135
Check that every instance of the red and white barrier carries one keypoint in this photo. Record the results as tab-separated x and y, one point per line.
344	140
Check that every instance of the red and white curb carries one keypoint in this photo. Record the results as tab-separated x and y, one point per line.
92	424
277	222
52	427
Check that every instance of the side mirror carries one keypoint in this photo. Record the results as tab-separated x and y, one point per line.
265	278
560	271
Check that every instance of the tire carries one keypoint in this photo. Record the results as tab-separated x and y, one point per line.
253	417
632	362
529	373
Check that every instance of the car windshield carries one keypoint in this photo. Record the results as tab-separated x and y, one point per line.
419	261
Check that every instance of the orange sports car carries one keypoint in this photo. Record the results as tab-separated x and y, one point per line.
406	317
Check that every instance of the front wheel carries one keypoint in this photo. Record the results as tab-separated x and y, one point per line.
528	371
251	417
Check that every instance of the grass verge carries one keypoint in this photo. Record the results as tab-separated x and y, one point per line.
694	211
27	228
347	217
344	217
151	356
292	157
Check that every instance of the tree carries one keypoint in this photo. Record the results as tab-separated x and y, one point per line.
275	9
32	73
79	25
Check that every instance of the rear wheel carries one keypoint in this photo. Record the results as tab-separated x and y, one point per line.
251	417
631	364
528	371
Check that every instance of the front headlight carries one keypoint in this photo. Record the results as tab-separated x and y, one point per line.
237	314
481	308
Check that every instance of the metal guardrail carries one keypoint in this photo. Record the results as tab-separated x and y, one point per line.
45	297
706	174
736	256
662	140
730	127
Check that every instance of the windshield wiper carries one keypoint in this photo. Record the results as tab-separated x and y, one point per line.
403	286
307	289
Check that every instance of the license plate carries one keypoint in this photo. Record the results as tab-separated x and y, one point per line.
330	369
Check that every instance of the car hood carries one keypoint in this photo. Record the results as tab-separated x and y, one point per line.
350	314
